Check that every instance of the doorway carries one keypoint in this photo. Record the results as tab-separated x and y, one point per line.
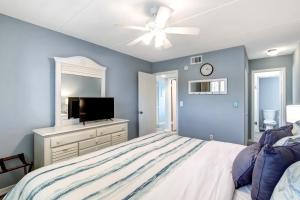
166	98
268	100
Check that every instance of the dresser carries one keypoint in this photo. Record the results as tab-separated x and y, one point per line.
55	144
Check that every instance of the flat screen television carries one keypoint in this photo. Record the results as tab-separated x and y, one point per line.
90	108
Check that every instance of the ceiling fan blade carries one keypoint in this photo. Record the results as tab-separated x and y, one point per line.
139	39
167	43
183	30
162	16
140	28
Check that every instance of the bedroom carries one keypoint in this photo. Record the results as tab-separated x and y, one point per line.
233	36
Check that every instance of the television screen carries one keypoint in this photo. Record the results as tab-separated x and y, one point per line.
73	107
96	108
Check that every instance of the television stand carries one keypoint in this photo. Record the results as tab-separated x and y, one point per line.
67	140
109	119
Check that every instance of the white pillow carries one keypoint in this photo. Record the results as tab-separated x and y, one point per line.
287	140
296	128
288	186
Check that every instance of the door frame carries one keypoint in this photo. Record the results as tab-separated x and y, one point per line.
175	72
282	79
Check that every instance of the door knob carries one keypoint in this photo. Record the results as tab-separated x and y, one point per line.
141	112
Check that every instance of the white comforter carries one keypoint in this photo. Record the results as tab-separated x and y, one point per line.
157	166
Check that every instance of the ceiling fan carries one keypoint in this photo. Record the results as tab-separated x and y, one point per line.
157	29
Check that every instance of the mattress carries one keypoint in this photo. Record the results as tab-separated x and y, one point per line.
156	166
243	193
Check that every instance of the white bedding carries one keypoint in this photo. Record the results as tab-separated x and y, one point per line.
156	166
243	193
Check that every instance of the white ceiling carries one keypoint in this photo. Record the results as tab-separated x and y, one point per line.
257	24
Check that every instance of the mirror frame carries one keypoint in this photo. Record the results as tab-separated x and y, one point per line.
76	65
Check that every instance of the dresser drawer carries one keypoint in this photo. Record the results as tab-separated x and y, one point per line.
119	137
64	152
87	143
73	137
103	139
93	149
87	150
111	129
104	145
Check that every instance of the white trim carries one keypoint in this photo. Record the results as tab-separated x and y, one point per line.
4	191
76	65
282	77
176	75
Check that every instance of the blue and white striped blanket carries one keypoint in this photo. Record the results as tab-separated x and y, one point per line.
132	170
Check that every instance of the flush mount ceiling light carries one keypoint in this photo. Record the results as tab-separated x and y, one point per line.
272	52
157	29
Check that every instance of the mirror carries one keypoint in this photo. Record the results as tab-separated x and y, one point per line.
213	86
77	86
76	77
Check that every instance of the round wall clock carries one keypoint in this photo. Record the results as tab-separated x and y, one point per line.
206	69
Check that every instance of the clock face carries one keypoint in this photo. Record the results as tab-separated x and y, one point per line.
206	69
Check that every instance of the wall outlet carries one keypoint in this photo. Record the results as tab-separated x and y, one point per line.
211	137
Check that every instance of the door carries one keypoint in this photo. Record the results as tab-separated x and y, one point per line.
146	103
274	97
173	105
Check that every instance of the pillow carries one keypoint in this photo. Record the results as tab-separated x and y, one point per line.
289	185
276	135
296	128
270	164
243	165
287	129
287	141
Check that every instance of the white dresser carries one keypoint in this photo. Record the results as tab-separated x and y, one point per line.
56	144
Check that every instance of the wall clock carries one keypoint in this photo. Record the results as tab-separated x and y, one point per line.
206	69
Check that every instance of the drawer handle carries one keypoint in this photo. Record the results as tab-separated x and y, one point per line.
57	143
65	150
91	135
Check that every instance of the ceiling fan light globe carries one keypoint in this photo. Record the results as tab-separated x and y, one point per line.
158	43
148	38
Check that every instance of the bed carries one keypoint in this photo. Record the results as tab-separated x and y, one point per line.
156	166
243	193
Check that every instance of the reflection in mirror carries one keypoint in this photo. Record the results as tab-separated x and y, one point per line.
214	86
77	86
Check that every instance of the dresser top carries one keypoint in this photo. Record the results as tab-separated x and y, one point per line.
49	131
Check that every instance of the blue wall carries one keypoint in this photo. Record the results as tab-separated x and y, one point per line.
285	61
202	115
27	82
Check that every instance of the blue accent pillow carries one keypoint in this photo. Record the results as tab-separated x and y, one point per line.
243	165
275	135
270	164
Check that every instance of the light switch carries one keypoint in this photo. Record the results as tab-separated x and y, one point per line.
181	103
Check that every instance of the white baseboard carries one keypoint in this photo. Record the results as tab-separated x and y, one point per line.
5	190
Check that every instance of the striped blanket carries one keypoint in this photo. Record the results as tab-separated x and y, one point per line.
156	166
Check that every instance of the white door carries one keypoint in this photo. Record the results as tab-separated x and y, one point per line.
147	103
174	105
